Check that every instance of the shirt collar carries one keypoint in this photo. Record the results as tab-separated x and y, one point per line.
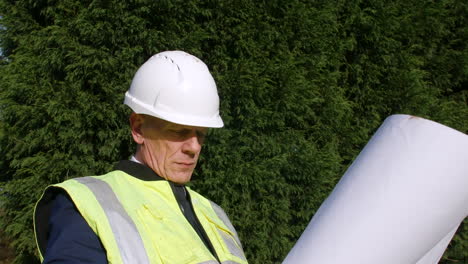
137	170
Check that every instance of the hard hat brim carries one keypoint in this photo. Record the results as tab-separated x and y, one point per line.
140	107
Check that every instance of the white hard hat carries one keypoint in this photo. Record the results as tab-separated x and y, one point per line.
177	87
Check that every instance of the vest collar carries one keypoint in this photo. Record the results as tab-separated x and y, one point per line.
137	170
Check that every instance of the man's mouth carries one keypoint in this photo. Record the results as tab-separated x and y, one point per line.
186	164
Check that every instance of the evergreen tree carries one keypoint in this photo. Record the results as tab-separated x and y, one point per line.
303	86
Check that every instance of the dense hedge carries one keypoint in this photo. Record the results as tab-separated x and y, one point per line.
303	85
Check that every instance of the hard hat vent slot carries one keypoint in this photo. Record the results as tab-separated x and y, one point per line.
172	61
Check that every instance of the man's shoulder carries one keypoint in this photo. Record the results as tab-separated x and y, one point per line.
93	178
197	197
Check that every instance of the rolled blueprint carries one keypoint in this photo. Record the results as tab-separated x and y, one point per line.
400	201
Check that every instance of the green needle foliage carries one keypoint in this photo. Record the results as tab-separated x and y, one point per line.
303	86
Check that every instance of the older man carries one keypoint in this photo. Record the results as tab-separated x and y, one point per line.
141	212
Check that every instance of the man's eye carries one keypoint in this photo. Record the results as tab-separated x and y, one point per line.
179	132
201	134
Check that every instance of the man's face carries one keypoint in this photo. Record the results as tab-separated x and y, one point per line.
170	149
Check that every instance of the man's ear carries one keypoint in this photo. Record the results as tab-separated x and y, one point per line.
136	123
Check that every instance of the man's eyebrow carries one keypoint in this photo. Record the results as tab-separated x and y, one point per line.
174	126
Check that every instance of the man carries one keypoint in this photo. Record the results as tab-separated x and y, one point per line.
141	212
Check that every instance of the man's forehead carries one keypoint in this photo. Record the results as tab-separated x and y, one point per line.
179	126
161	123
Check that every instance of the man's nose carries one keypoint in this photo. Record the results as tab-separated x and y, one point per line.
191	145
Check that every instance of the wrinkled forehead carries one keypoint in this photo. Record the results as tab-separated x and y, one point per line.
157	123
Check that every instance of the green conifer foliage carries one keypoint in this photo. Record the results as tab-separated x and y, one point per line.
303	86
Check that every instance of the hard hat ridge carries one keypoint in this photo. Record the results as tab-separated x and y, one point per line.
177	87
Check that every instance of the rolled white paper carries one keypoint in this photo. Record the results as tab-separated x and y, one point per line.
399	202
434	255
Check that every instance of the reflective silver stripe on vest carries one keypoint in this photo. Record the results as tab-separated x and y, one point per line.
129	242
231	245
236	250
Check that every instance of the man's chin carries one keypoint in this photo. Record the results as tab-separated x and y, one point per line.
180	178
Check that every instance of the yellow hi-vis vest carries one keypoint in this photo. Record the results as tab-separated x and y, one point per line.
140	221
